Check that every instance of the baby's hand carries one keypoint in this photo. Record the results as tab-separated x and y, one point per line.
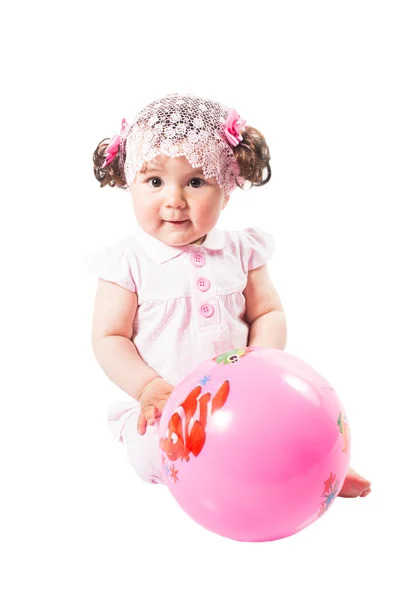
152	401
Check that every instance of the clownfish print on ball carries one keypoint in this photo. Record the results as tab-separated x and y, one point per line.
186	433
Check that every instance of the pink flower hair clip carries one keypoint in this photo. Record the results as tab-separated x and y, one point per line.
234	124
113	146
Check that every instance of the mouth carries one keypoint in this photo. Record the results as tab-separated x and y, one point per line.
177	222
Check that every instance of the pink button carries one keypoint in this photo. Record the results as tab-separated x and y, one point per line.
207	310
198	259
203	284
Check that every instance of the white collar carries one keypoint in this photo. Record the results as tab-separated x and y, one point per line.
216	239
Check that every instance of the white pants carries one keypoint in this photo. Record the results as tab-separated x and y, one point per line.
143	450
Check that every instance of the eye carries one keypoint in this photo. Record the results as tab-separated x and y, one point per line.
154	180
198	180
174	438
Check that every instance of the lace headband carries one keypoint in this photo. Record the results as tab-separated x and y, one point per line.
201	130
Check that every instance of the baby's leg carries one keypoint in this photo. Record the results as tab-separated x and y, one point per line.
142	450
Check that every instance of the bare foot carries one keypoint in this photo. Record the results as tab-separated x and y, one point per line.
355	485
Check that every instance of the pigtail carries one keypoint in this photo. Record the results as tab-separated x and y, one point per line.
253	157
113	173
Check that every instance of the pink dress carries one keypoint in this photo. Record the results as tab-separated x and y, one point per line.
190	307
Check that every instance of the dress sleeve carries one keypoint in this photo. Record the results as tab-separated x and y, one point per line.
113	264
260	247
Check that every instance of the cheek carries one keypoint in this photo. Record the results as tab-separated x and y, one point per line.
209	209
145	208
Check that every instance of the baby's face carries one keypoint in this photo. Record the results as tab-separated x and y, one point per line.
174	202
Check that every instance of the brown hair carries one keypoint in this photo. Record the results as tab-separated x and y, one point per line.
252	160
113	174
255	159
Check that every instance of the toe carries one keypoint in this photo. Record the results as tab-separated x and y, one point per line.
360	482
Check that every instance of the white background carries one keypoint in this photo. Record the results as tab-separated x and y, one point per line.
320	80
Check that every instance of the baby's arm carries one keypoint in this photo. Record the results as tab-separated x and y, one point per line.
112	330
264	311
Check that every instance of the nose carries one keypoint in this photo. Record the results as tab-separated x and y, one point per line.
175	197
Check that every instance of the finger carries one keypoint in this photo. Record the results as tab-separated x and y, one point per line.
150	414
158	408
141	424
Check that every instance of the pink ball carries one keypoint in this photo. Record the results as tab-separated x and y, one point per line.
255	444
